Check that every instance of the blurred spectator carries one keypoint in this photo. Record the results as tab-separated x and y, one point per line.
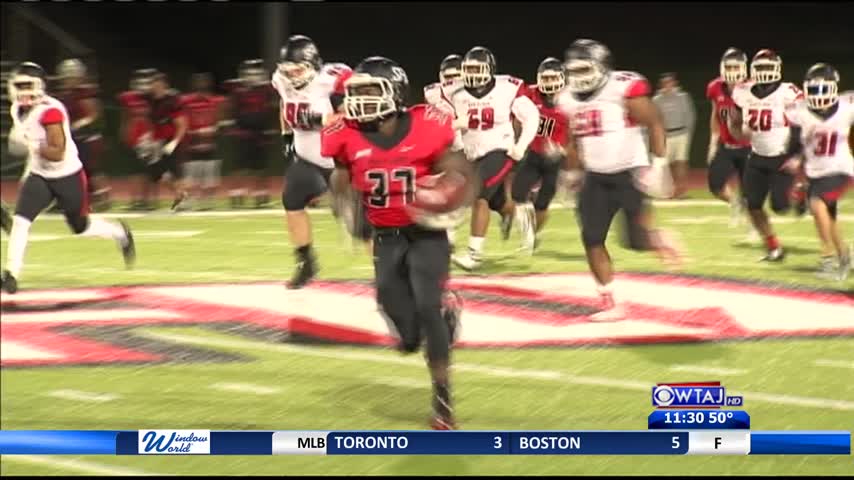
136	130
170	127
78	91
253	103
677	109
202	166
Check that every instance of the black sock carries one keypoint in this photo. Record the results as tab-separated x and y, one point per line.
304	252
442	399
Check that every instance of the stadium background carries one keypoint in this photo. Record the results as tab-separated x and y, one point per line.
651	38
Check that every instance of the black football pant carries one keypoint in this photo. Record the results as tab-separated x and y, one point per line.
535	168
411	266
726	162
70	192
600	198
763	178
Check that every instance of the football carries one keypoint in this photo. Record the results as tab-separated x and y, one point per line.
440	193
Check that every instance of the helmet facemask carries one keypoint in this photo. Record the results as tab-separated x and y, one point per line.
476	73
26	90
583	76
733	70
298	74
550	82
821	93
368	98
450	73
766	70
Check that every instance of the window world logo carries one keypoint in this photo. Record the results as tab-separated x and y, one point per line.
693	395
174	442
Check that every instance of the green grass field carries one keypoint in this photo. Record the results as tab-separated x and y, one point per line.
788	383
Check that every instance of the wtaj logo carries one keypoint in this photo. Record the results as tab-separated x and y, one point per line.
174	442
693	395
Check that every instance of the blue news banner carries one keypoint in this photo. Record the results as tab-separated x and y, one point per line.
204	442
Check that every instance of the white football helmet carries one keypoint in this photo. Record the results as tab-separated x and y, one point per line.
27	84
733	66
766	67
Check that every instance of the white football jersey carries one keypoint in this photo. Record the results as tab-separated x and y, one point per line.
30	126
825	140
486	123
437	94
608	140
312	98
766	117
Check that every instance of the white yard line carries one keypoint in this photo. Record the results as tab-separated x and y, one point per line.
704	370
547	375
81	396
246	388
398	382
824	362
79	465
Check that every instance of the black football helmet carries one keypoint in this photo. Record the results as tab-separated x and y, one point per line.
821	86
299	60
27	84
478	67
378	89
733	66
587	64
766	67
550	77
140	79
450	68
252	72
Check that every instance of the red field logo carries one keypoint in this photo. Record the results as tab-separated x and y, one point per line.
96	326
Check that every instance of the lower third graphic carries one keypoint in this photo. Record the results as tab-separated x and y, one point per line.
175	442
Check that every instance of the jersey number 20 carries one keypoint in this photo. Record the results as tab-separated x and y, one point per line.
381	181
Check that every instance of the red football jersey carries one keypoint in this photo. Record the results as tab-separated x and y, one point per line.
387	176
724	106
137	109
553	123
203	115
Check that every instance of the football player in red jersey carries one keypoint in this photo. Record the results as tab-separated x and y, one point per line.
136	129
727	155
253	107
79	93
204	111
540	165
385	149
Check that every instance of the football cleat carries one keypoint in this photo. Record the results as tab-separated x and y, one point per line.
129	248
9	284
178	203
305	273
844	267
775	255
439	422
467	262
611	311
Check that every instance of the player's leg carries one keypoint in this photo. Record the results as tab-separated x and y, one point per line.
428	266
757	182
677	156
720	170
192	171
5	218
210	180
394	291
823	196
548	190
261	182
491	168
177	182
640	233
33	198
596	209
526	176
245	154
98	187
70	193
304	182
780	187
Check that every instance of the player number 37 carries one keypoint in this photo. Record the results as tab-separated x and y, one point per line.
381	183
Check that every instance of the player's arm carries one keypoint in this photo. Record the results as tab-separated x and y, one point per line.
529	118
647	114
714	133
455	162
92	109
54	147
